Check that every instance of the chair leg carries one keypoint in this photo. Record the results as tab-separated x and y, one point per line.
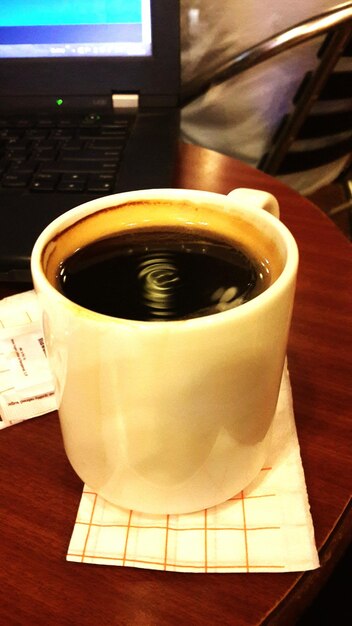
347	204
335	200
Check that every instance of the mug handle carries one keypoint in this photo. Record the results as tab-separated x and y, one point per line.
256	198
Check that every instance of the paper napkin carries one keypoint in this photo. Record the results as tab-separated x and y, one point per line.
265	528
26	384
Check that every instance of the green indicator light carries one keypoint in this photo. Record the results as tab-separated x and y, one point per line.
59	102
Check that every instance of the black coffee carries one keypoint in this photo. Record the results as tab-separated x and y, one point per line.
160	275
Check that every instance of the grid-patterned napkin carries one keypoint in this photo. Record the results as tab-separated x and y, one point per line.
265	528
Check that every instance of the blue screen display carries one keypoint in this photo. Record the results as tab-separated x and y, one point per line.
60	12
55	28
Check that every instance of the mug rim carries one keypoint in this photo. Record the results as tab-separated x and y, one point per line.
72	216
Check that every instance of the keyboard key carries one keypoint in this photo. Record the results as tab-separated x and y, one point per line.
72	178
91	119
103	143
117	121
66	122
87	133
45	144
15	180
71	186
18	143
45	155
45	122
15	152
75	167
36	133
73	144
44	182
106	177
110	131
61	133
101	184
22	122
23	167
90	155
10	133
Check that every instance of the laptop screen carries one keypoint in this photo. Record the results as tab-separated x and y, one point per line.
84	48
75	28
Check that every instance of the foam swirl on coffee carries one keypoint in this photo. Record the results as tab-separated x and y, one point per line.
160	282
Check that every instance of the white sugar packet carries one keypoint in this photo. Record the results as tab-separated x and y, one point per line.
26	383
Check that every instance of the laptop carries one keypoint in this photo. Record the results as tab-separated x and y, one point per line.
89	96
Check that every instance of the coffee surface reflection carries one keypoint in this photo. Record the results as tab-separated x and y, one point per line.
152	275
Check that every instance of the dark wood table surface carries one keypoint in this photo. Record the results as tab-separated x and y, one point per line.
39	491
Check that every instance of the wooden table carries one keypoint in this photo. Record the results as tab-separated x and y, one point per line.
40	493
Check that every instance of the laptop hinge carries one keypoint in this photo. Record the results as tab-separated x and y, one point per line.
125	102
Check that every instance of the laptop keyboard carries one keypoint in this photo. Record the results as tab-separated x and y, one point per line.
62	154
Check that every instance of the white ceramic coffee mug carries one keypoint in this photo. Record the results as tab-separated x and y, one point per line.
168	416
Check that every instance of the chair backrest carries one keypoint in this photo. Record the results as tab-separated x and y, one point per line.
307	119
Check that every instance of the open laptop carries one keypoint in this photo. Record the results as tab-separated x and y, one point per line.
95	77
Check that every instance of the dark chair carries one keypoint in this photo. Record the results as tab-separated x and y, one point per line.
317	129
